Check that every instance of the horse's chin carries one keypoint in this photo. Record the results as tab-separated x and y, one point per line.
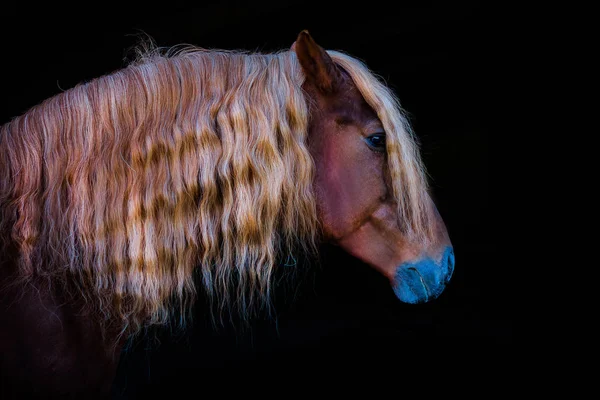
423	280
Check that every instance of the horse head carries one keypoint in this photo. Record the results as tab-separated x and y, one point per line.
371	194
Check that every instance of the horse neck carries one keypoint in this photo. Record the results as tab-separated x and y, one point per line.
48	343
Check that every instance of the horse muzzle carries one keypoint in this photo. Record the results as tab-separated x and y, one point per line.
424	279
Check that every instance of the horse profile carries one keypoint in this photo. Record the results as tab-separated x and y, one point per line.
224	164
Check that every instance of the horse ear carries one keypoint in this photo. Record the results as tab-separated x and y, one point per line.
317	65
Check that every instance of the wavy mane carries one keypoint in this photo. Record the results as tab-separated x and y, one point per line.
191	160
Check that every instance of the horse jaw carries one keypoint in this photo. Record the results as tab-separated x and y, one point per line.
417	274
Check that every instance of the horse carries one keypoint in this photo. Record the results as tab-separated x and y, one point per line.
198	162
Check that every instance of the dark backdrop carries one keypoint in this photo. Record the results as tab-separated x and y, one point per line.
443	61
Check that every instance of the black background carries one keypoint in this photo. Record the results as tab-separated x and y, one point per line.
443	61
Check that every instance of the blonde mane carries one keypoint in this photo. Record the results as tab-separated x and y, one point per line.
404	162
194	160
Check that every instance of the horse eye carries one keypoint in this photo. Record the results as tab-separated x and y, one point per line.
376	141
